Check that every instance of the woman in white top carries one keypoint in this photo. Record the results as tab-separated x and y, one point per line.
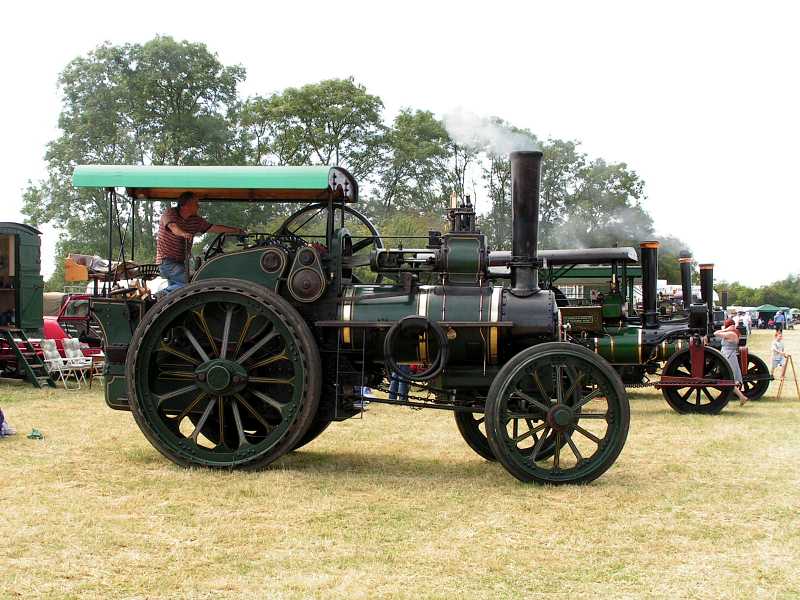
729	336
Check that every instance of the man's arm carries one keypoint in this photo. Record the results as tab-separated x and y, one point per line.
225	229
175	228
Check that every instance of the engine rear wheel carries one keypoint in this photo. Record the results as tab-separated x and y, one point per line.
756	381
314	431
223	374
706	400
472	427
560	390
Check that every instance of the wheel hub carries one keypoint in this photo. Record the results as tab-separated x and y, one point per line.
220	377
560	417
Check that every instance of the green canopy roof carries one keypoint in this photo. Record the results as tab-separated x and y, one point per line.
767	308
292	184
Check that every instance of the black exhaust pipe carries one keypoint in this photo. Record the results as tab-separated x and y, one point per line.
685	261
707	286
526	172
723	298
648	259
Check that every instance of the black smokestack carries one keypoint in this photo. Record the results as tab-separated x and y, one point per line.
707	285
685	261
724	299
526	172
648	258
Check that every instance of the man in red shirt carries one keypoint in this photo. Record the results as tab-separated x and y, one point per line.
176	230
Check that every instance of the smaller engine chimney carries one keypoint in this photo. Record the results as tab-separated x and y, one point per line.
723	297
526	172
707	286
648	259
685	261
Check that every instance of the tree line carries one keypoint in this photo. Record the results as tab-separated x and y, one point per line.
168	102
785	292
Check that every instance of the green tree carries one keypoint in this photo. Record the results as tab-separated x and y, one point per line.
333	122
497	222
668	266
414	176
157	103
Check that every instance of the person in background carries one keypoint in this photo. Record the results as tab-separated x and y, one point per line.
5	427
176	230
778	352
729	336
780	320
748	322
398	387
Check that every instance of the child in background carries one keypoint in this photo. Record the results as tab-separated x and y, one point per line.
778	351
5	428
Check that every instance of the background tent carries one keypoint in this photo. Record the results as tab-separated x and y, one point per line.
766	311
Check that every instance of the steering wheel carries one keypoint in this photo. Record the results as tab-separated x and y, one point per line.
310	221
217	245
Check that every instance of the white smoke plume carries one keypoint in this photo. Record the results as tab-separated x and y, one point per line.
486	133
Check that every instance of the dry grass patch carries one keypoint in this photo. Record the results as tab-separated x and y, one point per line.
396	505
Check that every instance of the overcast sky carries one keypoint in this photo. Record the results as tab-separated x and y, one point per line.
700	98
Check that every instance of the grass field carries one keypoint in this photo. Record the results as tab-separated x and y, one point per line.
396	505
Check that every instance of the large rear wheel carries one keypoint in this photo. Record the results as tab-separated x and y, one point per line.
316	429
562	392
756	381
224	374
472	428
707	400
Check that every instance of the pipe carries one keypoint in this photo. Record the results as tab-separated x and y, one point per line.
685	261
648	258
526	172
723	295
707	286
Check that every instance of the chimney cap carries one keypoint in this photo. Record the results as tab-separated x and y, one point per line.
526	153
706	266
650	245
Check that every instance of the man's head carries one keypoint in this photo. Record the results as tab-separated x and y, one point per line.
187	204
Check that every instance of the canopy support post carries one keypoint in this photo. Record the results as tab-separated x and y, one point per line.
133	230
329	225
112	201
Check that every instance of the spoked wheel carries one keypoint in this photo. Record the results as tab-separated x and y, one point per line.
309	223
560	390
314	431
223	373
756	381
472	427
708	400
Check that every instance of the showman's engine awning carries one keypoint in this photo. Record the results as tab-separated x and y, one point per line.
254	184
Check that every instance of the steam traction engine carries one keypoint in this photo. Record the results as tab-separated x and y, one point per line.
695	377
276	338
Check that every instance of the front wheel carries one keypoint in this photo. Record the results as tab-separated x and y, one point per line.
561	392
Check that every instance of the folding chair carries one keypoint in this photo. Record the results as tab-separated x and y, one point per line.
82	365
59	367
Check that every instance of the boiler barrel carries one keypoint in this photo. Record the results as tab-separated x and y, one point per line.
531	319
